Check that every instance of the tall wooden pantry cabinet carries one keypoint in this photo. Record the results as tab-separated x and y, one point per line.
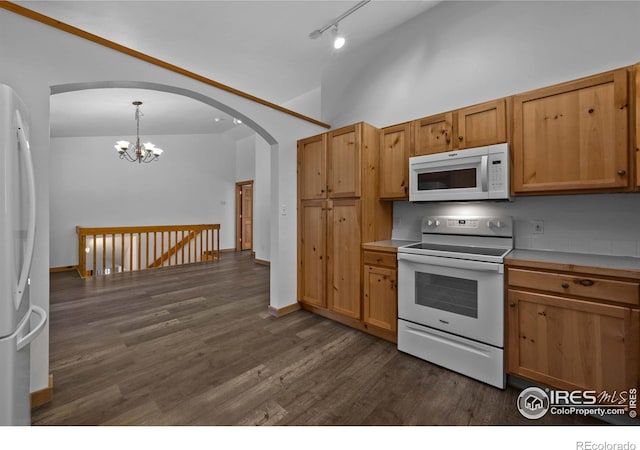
338	210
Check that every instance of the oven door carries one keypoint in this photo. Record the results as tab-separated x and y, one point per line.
457	177
458	296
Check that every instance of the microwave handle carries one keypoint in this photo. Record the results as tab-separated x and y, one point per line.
484	173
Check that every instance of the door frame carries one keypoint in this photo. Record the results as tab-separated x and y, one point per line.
239	186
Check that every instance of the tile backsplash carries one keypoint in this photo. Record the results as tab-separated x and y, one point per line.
605	224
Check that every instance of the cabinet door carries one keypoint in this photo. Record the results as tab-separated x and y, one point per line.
434	134
344	159
380	299
312	168
572	136
395	149
344	264
312	252
637	146
572	344
483	124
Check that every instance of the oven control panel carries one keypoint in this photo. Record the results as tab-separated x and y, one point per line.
462	223
474	226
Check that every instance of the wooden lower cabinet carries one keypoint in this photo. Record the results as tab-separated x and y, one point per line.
312	272
380	291
572	344
380	297
344	257
573	330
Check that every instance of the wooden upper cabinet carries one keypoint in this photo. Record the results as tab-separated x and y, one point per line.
482	124
312	167
473	126
344	160
395	150
433	134
573	136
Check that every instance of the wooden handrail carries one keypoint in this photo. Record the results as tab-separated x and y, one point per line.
138	247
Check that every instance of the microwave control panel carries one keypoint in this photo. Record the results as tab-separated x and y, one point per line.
498	176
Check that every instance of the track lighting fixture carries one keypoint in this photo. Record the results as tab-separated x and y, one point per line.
338	38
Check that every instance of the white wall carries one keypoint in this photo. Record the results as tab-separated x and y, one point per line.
246	158
461	53
35	57
106	191
309	103
262	202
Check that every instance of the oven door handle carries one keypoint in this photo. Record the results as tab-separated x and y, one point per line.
452	262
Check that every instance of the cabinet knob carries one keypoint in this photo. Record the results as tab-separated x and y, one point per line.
586	282
622	172
565	285
512	304
460	138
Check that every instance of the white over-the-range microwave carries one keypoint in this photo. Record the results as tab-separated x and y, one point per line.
479	173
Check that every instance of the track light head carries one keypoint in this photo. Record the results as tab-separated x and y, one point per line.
338	39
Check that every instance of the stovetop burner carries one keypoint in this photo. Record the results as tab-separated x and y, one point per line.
474	238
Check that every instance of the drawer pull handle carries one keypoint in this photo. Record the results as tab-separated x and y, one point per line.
512	304
565	285
378	260
586	282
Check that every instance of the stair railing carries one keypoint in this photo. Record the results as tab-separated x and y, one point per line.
107	250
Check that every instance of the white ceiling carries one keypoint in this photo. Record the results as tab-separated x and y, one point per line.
260	47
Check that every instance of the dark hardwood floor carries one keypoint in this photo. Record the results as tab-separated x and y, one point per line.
195	345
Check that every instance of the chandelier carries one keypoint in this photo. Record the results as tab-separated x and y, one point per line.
144	153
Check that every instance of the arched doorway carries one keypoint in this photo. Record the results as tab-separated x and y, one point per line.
118	185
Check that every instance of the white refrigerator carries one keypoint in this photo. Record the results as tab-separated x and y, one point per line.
20	321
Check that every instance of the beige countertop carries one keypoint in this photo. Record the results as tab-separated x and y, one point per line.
390	245
625	266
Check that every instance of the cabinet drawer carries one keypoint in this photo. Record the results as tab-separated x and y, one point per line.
380	259
584	286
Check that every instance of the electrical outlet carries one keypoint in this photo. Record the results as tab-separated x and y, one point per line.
538	226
